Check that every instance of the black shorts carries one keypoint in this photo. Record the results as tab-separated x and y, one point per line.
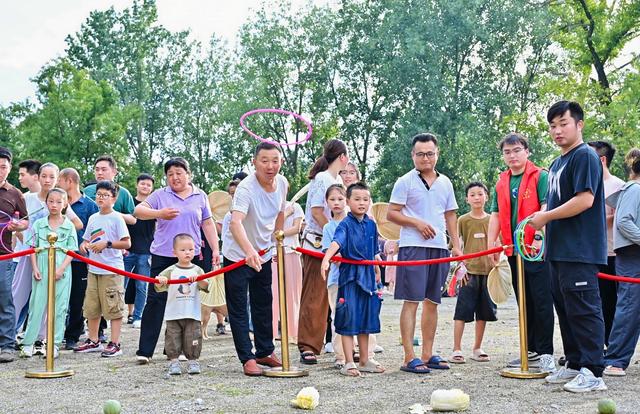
474	300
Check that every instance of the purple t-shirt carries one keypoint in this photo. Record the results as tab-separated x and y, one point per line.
193	211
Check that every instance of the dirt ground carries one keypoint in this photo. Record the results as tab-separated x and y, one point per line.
221	388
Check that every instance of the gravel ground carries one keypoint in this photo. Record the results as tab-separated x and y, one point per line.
222	388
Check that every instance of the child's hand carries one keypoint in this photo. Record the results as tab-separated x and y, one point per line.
324	268
83	247
98	247
163	280
193	278
465	280
59	273
36	274
378	275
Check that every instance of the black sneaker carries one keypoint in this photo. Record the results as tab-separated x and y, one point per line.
38	348
220	329
112	350
130	320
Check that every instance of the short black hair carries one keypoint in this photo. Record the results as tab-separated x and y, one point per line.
6	154
182	236
177	162
32	166
240	175
265	146
603	149
110	186
473	184
424	137
561	107
145	176
108	158
514	138
357	186
232	183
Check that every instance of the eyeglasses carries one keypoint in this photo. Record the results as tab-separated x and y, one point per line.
429	154
103	195
514	151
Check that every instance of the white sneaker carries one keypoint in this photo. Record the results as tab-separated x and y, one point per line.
562	375
328	348
136	324
182	358
56	352
26	351
142	360
546	363
585	381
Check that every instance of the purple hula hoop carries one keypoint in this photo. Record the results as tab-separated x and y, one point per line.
281	112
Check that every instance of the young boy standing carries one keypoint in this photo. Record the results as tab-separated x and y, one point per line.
358	307
105	237
183	334
473	298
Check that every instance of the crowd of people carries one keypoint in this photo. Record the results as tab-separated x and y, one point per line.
170	233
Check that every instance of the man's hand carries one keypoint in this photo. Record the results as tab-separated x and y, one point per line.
427	231
168	213
97	247
215	258
252	260
539	219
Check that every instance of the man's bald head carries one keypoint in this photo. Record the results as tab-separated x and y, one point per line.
70	174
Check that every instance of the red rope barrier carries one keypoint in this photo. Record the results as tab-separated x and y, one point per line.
402	263
18	254
152	279
615	278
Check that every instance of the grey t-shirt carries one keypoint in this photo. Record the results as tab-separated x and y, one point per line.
261	209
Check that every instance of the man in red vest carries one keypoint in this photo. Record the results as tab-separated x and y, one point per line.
521	190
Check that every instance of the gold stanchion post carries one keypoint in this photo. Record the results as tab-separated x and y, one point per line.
523	372
51	317
286	370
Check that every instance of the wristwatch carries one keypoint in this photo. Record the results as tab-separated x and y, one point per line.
109	245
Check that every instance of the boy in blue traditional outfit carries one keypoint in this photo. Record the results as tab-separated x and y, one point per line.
358	303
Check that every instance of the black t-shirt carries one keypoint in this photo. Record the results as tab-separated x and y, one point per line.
581	238
141	234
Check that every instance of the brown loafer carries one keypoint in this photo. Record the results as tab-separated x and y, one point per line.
252	369
269	361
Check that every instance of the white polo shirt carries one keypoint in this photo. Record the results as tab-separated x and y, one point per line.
261	209
428	205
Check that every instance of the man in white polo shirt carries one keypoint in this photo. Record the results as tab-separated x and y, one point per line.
424	204
257	212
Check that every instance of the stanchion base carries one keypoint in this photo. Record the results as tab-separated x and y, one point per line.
520	374
293	372
50	374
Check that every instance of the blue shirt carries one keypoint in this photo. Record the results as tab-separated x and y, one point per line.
84	208
358	240
328	231
583	237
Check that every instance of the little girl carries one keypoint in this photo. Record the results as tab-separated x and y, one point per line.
56	221
391	250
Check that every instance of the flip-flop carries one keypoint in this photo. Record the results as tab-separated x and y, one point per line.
415	366
346	370
480	356
457	357
371	366
435	362
308	358
612	371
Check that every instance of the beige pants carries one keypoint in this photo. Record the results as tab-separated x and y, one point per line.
337	338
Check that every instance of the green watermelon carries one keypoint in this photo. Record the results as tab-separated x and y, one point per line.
111	407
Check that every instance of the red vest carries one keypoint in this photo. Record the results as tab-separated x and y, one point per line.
527	203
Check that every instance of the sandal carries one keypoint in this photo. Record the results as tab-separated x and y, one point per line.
372	366
415	366
457	357
480	356
436	362
308	358
348	370
612	371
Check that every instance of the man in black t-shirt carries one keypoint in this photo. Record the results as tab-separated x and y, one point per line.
576	246
139	258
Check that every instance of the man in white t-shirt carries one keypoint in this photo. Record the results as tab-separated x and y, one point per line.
256	213
608	288
424	204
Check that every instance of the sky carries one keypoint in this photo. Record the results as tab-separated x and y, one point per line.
32	32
